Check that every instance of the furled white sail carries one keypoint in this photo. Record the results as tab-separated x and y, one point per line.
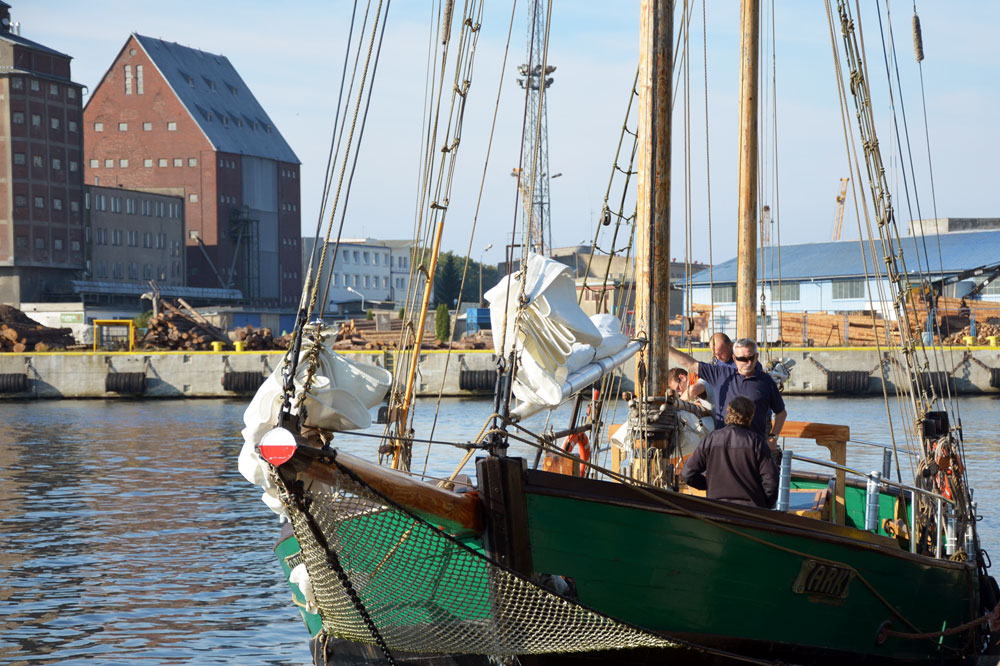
551	334
339	397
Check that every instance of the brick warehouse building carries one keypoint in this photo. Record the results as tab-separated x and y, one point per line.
41	179
170	118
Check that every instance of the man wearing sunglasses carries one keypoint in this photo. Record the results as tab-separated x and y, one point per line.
746	379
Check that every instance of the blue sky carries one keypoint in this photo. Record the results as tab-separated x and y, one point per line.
290	55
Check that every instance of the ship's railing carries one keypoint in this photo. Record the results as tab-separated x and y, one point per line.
945	541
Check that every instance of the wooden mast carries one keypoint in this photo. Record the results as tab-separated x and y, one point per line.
652	295
746	271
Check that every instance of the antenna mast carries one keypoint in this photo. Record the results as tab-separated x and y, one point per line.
533	180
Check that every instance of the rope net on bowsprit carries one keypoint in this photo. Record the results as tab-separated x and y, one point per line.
424	590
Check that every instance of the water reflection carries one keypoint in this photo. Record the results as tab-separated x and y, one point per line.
130	536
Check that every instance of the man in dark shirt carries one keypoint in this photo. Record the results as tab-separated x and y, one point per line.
734	464
722	349
746	379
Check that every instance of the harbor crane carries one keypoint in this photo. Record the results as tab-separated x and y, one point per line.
838	220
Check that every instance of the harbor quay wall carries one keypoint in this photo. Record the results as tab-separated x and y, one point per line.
208	374
817	371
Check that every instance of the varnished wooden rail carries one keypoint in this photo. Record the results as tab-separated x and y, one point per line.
834	438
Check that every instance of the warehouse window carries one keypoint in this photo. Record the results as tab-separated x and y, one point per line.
724	294
786	291
138	79
128	79
98	127
845	289
991	288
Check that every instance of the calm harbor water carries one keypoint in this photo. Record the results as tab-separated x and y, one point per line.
129	536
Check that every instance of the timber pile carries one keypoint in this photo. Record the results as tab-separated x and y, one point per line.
828	330
360	335
255	339
179	330
983	333
20	333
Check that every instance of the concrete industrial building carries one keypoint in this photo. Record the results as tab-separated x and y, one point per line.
41	177
169	118
831	277
132	237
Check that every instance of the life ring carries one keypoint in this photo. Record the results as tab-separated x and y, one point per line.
582	443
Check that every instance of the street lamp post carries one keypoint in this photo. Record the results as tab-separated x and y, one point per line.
485	250
355	291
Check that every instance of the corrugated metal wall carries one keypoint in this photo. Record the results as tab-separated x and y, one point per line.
260	193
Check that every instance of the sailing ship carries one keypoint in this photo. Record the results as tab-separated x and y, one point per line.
585	563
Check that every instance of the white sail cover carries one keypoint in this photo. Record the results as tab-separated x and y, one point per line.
553	336
341	393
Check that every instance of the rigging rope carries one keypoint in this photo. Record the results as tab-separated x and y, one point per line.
475	217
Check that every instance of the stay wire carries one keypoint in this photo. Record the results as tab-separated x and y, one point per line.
336	153
475	216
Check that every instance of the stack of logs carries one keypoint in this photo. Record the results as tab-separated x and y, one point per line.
983	334
255	339
360	334
952	316
176	329
834	330
20	333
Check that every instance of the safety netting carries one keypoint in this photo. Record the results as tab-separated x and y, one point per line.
381	573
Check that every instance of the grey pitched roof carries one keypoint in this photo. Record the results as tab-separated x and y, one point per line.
959	251
218	99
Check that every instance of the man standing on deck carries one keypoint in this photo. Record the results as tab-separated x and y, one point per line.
722	349
746	379
734	464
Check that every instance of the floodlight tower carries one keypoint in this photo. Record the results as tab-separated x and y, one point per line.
533	179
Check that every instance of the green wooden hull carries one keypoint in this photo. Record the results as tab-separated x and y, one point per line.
725	574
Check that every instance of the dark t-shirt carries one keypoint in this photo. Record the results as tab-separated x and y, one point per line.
734	464
758	387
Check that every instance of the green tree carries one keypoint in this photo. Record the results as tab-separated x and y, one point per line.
370	315
447	279
142	320
442	323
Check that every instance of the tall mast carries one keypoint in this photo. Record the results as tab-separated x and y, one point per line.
652	261
746	271
533	179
